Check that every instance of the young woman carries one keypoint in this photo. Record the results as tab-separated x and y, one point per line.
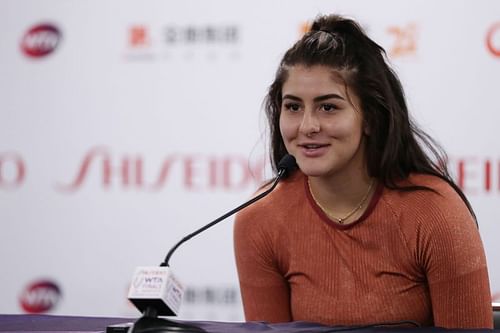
370	229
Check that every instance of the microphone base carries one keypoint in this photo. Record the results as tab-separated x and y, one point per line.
157	325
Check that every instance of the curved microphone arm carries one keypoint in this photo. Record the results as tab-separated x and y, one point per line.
281	173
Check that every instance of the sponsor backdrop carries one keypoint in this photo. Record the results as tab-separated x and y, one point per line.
125	125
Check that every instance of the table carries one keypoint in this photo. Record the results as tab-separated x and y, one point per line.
73	324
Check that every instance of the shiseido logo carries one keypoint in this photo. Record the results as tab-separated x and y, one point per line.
476	174
41	40
194	172
493	39
40	296
12	170
101	167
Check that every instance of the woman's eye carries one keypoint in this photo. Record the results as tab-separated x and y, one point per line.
294	107
328	107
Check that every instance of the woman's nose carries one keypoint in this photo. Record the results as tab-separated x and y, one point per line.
310	124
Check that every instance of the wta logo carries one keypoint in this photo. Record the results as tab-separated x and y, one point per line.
41	40
493	39
40	296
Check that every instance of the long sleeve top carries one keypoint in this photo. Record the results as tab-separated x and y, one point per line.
412	256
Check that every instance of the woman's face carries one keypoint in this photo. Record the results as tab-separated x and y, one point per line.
321	123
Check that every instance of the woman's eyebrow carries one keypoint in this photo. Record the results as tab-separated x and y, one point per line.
325	97
316	99
295	98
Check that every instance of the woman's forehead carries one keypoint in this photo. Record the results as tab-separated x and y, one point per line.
314	79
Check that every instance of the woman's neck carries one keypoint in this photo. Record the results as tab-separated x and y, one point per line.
343	197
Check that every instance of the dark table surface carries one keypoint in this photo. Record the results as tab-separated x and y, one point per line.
49	323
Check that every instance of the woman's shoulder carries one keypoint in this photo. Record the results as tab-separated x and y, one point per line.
431	181
436	202
427	189
437	226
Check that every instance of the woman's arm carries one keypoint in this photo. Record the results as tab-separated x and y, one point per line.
455	265
264	290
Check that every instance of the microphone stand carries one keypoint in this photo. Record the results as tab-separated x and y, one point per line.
149	322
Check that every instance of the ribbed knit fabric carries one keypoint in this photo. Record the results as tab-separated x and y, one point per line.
412	256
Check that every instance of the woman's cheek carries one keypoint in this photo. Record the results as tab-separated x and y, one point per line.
286	129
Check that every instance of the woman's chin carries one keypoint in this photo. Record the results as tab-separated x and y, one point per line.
314	172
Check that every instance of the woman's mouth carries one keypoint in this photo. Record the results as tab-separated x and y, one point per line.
314	149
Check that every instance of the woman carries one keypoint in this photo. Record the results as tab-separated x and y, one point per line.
370	229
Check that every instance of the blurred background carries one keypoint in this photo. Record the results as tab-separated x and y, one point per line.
125	125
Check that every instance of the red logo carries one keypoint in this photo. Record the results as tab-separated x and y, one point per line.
476	174
493	39
40	296
304	28
195	172
405	40
139	36
41	40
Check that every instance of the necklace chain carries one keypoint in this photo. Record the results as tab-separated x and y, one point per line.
341	220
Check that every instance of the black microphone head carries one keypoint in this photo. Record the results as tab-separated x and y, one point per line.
287	165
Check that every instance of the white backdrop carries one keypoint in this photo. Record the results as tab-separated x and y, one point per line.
143	121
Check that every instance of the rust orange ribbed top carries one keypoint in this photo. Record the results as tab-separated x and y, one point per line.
412	256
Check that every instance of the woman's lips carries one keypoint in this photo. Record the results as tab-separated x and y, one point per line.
313	149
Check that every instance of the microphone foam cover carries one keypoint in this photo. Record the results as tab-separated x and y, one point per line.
288	164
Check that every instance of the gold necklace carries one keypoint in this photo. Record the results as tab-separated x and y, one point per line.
342	219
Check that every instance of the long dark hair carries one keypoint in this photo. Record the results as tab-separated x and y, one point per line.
395	146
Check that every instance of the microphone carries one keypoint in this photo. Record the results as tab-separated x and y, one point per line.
156	292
